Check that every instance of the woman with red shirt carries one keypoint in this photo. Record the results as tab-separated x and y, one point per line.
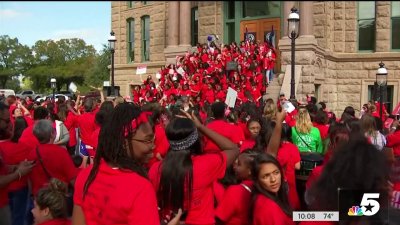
253	127
50	205
270	205
289	158
185	178
115	190
234	207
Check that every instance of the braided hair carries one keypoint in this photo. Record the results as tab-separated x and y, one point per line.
112	146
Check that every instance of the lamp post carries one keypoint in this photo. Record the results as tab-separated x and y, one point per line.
381	80
293	33
111	46
53	84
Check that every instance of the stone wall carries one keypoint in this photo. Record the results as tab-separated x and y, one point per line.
210	19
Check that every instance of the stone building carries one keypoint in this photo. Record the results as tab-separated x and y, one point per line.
337	53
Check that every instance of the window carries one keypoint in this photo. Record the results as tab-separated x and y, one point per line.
229	22
145	38
366	26
195	26
261	8
130	4
395	25
131	39
387	95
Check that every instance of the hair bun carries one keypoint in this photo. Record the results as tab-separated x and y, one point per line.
56	185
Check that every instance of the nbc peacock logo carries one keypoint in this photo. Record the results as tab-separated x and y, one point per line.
355	211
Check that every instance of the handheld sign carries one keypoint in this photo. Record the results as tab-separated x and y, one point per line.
288	107
141	70
73	87
231	96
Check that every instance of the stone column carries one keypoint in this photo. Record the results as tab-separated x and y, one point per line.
184	23
287	6
306	18
173	23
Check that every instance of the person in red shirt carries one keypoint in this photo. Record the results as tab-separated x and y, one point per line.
271	206
393	138
191	172
27	136
115	189
320	122
220	126
234	207
87	125
289	158
254	127
8	173
50	205
49	157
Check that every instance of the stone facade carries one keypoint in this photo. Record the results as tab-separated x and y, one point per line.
328	61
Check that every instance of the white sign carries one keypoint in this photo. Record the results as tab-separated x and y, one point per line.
181	71
72	87
141	70
231	96
106	84
288	107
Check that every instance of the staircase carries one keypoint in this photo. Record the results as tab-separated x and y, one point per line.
282	83
273	89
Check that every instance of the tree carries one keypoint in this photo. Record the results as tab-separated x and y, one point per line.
67	60
100	72
15	59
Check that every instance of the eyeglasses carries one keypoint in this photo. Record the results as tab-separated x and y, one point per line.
147	142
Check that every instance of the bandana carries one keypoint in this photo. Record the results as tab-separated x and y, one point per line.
184	143
142	118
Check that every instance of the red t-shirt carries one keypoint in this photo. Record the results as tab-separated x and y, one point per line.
116	196
161	144
267	212
219	191
87	125
57	222
288	155
323	129
234	208
57	162
4	190
207	169
12	154
225	129
393	141
71	123
28	138
248	143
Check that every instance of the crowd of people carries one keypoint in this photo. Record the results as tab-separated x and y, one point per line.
175	160
205	75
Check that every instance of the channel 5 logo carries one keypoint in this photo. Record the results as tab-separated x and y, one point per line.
369	206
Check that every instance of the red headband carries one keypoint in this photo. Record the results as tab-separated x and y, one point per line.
142	118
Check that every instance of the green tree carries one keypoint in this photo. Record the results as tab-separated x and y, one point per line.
99	72
15	59
67	60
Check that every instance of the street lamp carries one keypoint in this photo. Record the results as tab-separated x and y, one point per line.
293	33
111	46
381	80
53	84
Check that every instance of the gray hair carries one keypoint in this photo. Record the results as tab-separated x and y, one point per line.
43	129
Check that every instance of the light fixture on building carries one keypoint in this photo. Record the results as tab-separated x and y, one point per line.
111	46
381	80
293	33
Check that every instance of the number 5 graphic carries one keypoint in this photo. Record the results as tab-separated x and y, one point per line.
370	206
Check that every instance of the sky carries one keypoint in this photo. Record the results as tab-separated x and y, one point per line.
38	20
